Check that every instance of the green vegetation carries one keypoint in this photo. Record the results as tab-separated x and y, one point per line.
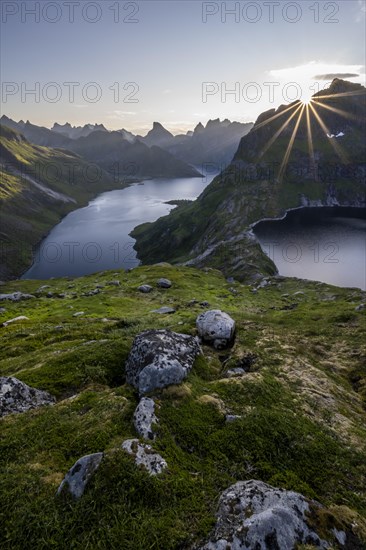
302	406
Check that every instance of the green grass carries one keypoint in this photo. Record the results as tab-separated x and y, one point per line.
289	435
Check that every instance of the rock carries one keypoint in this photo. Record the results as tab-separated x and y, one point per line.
360	307
163	310
114	283
99	286
192	302
145	289
216	327
42	288
15	320
164	283
78	314
159	358
299	293
2	310
263	283
204	304
79	475
16	296
144	417
285	295
238	371
232	417
145	456
49	295
230	280
17	397
62	295
254	515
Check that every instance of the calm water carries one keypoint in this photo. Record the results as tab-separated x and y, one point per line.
96	238
321	244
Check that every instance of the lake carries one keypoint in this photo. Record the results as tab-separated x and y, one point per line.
96	238
321	244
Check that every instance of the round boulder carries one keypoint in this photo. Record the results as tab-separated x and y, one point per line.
216	327
164	283
159	358
254	515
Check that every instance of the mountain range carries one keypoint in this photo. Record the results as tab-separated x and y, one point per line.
214	143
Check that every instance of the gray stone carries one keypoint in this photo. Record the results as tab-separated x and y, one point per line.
360	307
232	417
78	314
145	289
144	418
164	310
17	397
2	310
80	474
216	327
114	283
164	283
15	320
159	358
238	371
255	516
16	296
145	456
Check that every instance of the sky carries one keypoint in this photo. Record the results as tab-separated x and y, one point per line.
127	64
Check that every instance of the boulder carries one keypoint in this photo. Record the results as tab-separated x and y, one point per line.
114	283
159	358
16	296
145	289
164	283
17	397
144	418
145	456
79	314
15	320
216	327
256	516
79	475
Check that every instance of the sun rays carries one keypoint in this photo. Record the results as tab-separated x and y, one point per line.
310	109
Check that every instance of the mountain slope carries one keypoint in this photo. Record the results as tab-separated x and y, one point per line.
274	169
299	407
38	186
214	144
123	158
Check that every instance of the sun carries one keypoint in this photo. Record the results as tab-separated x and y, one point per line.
306	100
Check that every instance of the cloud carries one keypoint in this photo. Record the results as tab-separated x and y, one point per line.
117	115
331	76
167	91
361	11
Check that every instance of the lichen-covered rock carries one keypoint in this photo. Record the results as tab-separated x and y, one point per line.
16	296
145	289
144	418
164	283
216	327
145	456
159	358
17	397
79	475
255	516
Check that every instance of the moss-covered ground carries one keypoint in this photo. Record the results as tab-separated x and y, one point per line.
302	406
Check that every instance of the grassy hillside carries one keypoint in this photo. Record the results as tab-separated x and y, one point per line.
274	169
38	186
302	403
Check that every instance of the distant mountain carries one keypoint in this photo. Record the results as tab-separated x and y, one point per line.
75	132
123	158
119	153
38	186
216	143
158	136
294	156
